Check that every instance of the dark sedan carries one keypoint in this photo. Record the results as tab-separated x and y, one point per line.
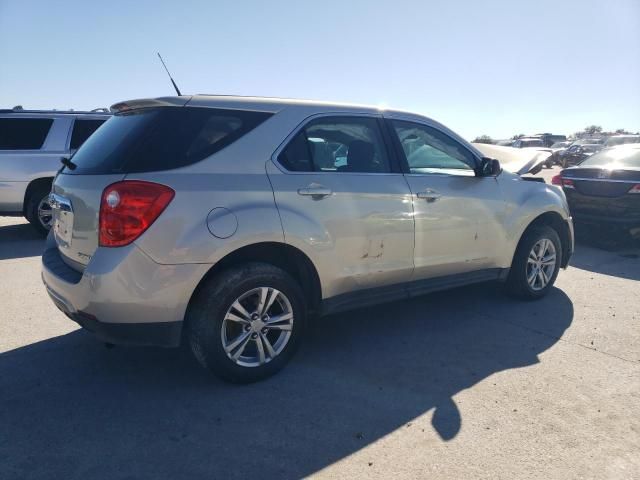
575	154
605	188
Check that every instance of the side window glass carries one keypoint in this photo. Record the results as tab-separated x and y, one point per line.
297	157
338	144
82	129
23	133
428	150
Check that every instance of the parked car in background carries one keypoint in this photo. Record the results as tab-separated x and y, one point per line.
621	140
589	141
605	188
548	139
557	149
528	142
577	153
238	217
32	142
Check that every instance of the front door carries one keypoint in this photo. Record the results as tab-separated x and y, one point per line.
458	216
341	202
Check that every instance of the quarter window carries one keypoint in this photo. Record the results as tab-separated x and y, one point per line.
24	133
428	150
337	144
82	129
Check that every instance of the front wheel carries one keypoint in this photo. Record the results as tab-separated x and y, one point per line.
536	263
245	324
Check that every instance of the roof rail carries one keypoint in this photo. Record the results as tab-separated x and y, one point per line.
20	109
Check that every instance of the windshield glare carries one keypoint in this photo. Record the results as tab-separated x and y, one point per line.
614	158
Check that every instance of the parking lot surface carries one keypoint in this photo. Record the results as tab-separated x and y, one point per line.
462	384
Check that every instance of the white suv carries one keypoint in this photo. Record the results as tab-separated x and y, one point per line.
228	221
32	142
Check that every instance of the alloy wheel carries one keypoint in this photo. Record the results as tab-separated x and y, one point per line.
257	327
541	264
45	215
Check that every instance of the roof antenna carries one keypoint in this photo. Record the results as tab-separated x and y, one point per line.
170	77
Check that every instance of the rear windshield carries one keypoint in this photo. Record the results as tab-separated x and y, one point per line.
619	157
162	138
612	141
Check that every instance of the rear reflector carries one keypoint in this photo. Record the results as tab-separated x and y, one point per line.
635	188
128	208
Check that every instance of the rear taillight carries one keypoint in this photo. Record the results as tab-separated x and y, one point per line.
635	188
128	208
556	180
567	183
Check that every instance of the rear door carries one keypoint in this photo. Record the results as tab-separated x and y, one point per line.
458	216
343	200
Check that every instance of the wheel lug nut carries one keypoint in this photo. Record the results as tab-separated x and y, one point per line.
247	328
264	331
254	335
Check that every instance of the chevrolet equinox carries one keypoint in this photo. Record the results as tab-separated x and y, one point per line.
230	221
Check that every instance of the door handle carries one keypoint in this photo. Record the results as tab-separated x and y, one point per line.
315	190
429	195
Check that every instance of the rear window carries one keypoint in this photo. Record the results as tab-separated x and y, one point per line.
82	129
619	157
23	133
162	138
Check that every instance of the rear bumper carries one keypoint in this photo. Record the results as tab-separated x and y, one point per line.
631	221
122	296
165	334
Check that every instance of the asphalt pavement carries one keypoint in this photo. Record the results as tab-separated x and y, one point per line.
462	384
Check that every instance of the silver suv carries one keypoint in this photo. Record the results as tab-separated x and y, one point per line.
230	221
32	142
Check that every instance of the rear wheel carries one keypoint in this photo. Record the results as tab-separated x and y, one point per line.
245	324
536	263
38	210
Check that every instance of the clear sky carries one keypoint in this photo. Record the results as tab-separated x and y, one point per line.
481	67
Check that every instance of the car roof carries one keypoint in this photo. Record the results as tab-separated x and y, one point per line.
270	104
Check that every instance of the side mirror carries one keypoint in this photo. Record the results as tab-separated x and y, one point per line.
489	167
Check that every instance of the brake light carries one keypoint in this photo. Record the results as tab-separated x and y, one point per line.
556	180
635	188
128	208
567	183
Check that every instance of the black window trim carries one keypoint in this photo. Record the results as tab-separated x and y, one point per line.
399	151
394	162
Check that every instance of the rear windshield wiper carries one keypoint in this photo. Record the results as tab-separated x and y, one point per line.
68	163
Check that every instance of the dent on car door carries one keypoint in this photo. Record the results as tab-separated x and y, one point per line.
458	215
341	204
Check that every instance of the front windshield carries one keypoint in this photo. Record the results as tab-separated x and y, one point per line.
613	158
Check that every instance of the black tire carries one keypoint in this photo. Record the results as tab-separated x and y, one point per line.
517	284
205	319
31	208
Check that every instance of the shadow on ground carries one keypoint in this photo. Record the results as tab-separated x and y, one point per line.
19	240
69	408
609	253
